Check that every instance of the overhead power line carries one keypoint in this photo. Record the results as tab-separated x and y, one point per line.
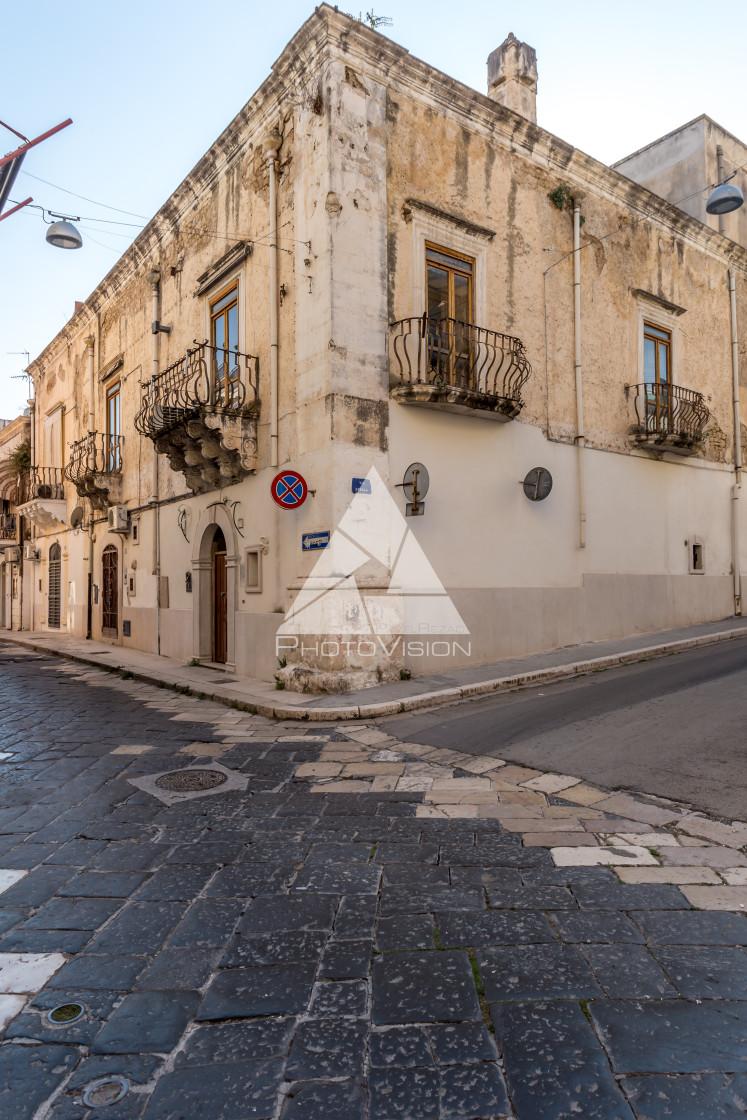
83	197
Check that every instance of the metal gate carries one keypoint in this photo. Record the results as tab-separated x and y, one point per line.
110	593
55	573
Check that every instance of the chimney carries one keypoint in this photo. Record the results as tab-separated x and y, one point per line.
512	77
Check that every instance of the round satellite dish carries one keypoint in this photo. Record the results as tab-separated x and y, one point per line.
64	235
416	477
724	199
76	517
537	484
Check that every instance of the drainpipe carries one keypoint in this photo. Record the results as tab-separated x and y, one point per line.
736	488
154	279
89	341
578	198
271	144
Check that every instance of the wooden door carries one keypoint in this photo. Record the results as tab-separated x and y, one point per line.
110	593
220	607
53	608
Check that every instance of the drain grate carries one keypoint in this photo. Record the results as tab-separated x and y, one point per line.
190	781
66	1013
108	1090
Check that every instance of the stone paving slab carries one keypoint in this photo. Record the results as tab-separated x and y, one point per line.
301	948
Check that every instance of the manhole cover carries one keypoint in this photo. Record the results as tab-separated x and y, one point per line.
107	1091
189	781
66	1013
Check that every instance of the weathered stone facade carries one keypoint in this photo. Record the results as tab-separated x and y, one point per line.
372	159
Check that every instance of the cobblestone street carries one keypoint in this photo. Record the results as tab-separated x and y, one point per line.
321	921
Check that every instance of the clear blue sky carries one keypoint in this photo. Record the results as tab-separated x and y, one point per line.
150	85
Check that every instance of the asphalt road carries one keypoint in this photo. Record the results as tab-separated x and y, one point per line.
674	727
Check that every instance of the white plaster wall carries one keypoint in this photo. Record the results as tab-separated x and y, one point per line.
514	567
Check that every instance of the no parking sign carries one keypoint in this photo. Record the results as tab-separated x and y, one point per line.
289	489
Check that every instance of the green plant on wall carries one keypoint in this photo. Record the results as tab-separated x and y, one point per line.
561	196
19	459
562	199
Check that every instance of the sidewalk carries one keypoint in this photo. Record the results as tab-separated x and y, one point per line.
264	699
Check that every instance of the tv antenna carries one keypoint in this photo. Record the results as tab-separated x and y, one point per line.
19	376
374	21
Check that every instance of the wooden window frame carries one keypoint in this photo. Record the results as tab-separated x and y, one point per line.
652	332
222	385
113	453
659	402
450	353
452	271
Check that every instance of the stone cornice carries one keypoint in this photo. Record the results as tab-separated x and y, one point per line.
111	368
395	66
254	119
444	216
224	264
673	308
328	31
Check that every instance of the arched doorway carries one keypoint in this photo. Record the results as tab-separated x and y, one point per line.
55	580
215	572
220	597
110	592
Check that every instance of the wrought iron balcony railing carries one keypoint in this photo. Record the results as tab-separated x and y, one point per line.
205	379
7	527
41	482
95	454
670	415
447	353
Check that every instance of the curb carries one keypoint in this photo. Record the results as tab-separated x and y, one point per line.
405	703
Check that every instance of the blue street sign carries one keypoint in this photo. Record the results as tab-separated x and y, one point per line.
310	542
361	486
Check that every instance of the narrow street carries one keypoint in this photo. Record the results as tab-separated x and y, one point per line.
672	726
313	921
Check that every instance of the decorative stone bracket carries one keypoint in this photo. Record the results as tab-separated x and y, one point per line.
47	513
211	449
102	490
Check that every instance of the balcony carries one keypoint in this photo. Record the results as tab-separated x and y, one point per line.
8	530
42	497
458	367
668	418
95	469
201	412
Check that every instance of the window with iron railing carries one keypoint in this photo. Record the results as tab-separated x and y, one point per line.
657	375
113	428
449	278
224	336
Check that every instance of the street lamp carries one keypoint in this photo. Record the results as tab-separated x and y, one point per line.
725	198
63	233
